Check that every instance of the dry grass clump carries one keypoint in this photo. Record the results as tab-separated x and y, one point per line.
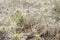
34	21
